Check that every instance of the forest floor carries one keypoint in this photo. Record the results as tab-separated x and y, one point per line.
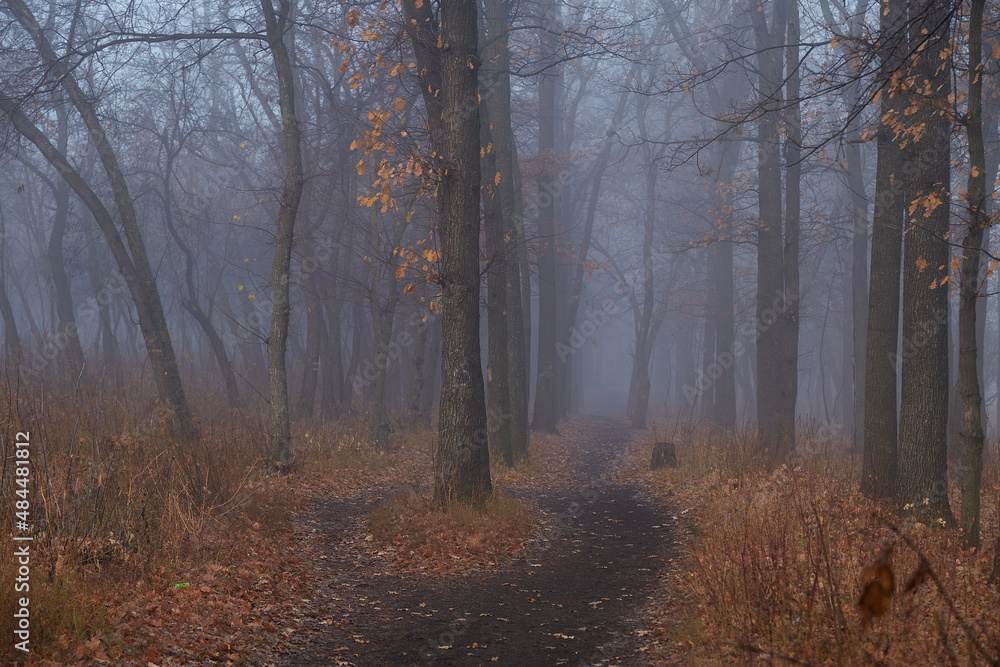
583	557
573	595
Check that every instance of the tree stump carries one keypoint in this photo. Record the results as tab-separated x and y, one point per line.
664	456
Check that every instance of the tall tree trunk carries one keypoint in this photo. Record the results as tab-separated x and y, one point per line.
335	397
640	384
191	303
383	316
707	386
724	190
11	337
524	266
789	318
879	464
496	104
923	418
332	363
968	334
776	435
509	413
314	347
379	428
448	79
418	376
852	395
66	327
544	418
685	384
279	429
497	371
102	301
859	283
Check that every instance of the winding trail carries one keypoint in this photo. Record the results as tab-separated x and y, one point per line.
573	600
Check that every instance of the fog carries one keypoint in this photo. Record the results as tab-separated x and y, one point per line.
754	217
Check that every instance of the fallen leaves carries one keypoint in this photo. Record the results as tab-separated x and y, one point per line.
774	563
419	538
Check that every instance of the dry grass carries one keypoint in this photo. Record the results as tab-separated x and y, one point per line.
426	538
120	511
551	465
327	448
773	560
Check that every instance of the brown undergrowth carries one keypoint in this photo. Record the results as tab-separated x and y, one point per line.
430	540
419	538
773	562
550	465
121	514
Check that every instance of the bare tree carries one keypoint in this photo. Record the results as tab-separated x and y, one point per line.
135	267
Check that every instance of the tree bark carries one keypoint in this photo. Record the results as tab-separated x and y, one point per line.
314	346
639	386
776	434
505	147
191	303
498	389
11	337
448	78
544	418
789	317
968	325
60	281
879	464
923	418
279	430
724	408
418	375
108	350
383	316
640	383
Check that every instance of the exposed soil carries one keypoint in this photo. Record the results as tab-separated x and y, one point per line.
573	598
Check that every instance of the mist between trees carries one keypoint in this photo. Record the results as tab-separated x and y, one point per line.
765	212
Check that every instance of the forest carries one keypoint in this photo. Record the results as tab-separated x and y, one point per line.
526	332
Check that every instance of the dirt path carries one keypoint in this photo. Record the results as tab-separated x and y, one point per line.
569	602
